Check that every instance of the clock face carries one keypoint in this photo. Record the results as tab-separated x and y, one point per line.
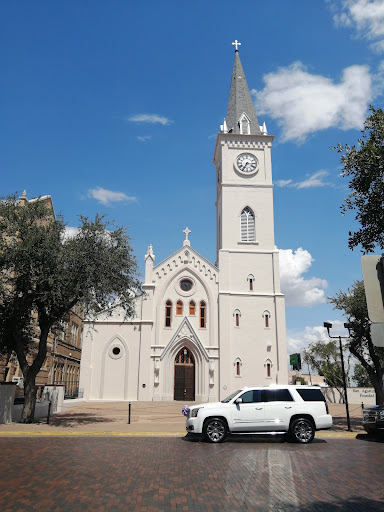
185	285
246	162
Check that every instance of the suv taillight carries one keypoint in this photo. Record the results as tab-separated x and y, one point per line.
326	407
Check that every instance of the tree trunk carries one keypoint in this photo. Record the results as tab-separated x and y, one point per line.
28	413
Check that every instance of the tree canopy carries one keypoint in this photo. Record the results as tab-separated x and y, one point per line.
324	357
354	306
364	165
45	273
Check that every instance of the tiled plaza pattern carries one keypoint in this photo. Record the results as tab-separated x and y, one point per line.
165	474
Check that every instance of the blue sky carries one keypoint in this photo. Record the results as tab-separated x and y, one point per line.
114	107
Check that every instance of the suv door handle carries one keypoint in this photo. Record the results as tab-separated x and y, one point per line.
258	408
288	406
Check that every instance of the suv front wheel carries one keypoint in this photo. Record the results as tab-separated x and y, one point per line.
302	430
215	430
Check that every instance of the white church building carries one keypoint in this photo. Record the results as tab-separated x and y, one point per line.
202	331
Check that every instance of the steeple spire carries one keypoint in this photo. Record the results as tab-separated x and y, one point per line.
241	115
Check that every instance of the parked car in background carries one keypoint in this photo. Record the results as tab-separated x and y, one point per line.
373	419
294	410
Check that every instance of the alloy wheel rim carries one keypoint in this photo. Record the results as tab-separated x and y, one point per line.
215	431
303	431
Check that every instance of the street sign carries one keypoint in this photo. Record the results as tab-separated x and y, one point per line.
373	273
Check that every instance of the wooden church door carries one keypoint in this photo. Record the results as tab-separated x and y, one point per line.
184	376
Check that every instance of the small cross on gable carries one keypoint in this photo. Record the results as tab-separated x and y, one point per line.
186	231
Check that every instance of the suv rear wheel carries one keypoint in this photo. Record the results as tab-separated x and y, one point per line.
302	430
215	430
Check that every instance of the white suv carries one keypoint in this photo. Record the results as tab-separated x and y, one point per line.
296	410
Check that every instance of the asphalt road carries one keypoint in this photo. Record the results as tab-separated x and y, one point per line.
147	474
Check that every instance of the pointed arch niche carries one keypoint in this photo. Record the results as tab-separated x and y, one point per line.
244	124
114	370
185	339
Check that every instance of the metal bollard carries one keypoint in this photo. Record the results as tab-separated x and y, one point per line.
49	411
129	413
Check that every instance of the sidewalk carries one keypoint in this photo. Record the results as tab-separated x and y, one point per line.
82	417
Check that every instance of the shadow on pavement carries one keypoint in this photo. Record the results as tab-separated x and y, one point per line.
76	419
243	439
370	438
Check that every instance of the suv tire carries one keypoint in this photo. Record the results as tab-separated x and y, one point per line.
302	430
215	430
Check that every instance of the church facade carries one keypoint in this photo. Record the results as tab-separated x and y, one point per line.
202	331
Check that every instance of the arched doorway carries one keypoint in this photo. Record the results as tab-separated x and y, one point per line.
184	375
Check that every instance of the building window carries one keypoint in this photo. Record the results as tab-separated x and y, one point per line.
268	367
203	314
237	316
267	316
185	358
192	307
238	364
179	307
247	225
168	313
74	333
251	279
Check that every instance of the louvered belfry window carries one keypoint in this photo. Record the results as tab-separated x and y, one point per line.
247	225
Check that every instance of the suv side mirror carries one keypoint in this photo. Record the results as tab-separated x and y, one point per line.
238	401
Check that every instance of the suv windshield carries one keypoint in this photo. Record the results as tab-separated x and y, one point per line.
229	398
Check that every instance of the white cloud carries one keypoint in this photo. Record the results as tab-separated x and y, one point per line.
70	232
298	290
150	118
107	197
297	341
304	103
313	181
366	16
144	138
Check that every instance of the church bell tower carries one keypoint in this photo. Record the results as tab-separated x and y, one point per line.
252	339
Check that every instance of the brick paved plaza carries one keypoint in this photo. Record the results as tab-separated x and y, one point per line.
163	474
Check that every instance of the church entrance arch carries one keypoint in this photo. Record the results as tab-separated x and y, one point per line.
184	375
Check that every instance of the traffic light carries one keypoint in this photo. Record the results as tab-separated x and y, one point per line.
295	361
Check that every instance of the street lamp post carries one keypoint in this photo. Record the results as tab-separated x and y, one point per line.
328	326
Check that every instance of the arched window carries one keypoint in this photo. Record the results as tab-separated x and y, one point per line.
247	225
168	313
203	314
237	316
192	307
179	307
238	364
251	280
184	357
267	316
268	367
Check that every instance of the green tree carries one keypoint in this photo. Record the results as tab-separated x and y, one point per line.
324	357
44	273
354	306
361	377
364	166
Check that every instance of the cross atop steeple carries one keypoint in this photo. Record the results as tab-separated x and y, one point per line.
240	103
236	44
